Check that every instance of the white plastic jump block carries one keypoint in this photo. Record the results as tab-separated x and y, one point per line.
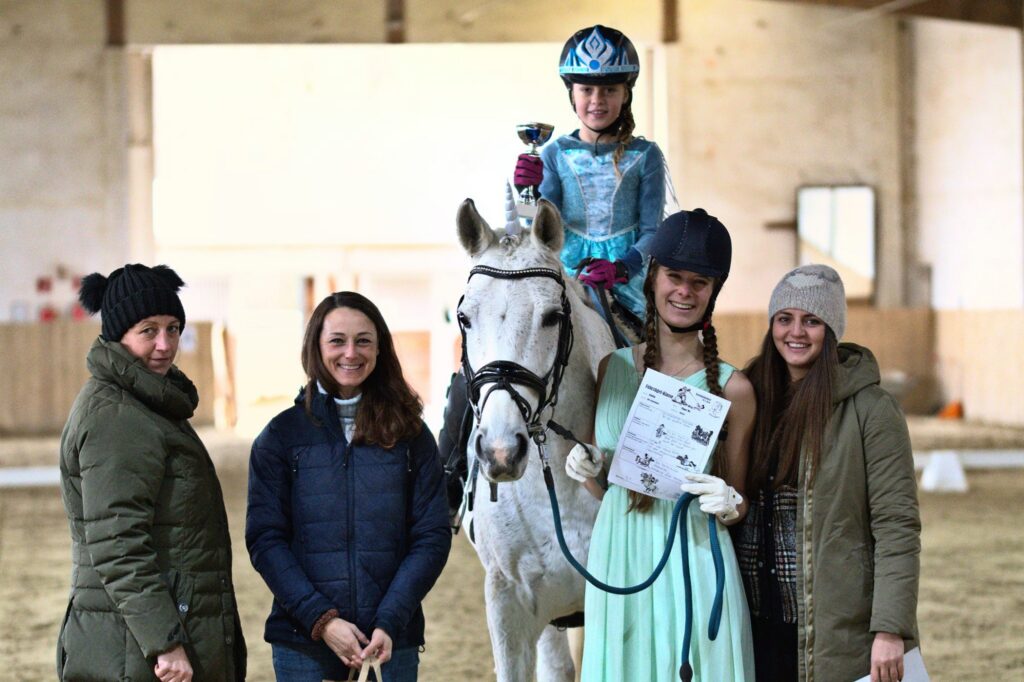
944	473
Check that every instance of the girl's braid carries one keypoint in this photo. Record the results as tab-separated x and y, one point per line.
639	502
624	137
712	374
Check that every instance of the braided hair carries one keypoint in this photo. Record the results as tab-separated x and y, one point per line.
625	134
712	373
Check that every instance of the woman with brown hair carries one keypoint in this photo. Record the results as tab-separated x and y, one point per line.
347	519
638	636
829	550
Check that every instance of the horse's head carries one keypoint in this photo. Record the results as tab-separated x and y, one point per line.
516	333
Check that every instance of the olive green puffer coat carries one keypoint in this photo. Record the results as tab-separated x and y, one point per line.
151	556
858	530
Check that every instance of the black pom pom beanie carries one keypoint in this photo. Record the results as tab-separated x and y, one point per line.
130	294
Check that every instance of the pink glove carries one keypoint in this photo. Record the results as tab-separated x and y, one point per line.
603	274
529	170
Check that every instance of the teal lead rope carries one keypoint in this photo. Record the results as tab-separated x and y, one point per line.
682	504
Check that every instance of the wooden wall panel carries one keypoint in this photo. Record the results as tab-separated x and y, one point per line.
902	339
980	362
413	350
43	366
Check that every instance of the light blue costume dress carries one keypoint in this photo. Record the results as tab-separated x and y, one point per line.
607	216
640	636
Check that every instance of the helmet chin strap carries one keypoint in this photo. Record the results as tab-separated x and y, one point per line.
696	327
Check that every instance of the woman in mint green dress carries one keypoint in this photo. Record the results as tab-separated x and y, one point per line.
640	636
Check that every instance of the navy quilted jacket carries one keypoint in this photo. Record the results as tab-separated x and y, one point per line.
358	528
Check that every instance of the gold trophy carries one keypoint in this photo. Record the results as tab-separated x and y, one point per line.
533	135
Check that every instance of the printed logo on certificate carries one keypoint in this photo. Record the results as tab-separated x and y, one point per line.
672	429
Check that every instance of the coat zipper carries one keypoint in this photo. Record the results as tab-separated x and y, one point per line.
350	504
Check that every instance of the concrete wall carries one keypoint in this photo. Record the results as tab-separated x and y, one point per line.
758	98
970	175
969	186
62	189
768	96
786	96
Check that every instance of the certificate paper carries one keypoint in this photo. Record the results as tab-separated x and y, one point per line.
672	429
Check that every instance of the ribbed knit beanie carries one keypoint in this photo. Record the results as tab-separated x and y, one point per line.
130	294
816	289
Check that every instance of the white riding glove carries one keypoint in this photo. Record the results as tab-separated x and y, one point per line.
715	495
583	462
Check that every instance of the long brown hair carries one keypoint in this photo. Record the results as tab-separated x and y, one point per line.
389	410
792	417
712	372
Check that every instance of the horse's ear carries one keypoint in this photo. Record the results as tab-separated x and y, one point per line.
547	227
475	235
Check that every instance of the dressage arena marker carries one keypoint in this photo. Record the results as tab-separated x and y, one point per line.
28	477
944	473
943	470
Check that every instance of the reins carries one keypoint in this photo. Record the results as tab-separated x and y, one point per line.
505	373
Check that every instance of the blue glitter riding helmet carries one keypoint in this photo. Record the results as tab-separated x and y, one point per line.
599	55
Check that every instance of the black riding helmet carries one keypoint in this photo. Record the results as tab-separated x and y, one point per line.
697	242
599	55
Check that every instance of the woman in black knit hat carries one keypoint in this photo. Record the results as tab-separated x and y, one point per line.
151	591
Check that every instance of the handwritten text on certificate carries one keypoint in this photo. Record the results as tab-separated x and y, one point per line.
671	429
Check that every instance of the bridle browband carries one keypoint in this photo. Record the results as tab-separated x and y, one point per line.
506	373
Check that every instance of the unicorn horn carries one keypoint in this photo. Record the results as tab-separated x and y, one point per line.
512	226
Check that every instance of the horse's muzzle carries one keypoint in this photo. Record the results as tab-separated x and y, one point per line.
504	460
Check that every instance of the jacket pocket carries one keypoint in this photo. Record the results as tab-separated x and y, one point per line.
136	667
92	646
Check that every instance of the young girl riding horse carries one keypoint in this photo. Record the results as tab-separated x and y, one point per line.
609	186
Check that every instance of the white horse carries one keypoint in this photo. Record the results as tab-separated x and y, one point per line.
518	320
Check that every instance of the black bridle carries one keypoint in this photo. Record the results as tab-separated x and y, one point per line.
506	373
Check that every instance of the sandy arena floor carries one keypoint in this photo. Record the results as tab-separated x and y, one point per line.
971	604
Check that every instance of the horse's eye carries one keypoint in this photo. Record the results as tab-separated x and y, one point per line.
551	318
463	320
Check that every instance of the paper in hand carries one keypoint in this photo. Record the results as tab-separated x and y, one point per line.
672	429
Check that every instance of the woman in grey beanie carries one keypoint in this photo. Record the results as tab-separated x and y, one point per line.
829	550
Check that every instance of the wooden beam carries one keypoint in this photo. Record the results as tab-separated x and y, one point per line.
395	21
998	12
669	21
115	23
